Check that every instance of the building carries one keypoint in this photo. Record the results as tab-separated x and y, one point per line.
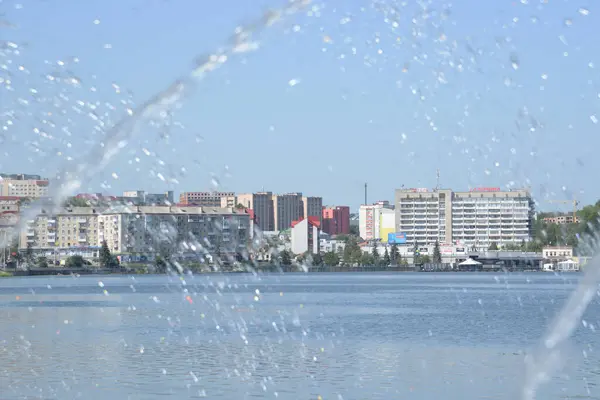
312	207
369	217
336	220
555	254
204	199
69	227
140	197
387	223
286	209
562	219
23	185
262	205
176	229
305	236
475	218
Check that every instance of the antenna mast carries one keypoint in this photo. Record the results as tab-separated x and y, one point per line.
437	179
365	193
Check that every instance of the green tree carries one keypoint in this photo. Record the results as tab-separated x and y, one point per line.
317	259
42	262
75	261
160	264
106	258
285	257
493	246
331	259
352	251
29	254
394	253
354	230
386	258
437	255
375	253
367	259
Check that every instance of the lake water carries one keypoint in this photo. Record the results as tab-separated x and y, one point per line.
292	336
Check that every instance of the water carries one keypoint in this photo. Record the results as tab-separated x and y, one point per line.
293	336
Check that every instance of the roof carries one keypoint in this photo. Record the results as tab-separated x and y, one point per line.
314	221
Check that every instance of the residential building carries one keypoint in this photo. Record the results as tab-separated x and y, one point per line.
387	223
69	227
562	219
305	236
23	185
370	217
140	197
336	220
312	207
164	229
475	218
9	218
262	205
203	199
229	201
286	209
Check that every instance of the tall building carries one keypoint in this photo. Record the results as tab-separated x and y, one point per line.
305	236
312	207
261	204
370	217
336	220
156	229
476	218
287	208
203	199
23	185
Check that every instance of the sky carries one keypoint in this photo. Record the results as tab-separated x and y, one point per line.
493	94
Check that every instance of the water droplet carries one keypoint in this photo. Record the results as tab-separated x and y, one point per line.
594	119
584	11
101	284
568	22
96	22
115	176
293	82
514	61
108	46
544	76
141	349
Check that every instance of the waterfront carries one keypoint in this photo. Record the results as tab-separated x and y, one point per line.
291	336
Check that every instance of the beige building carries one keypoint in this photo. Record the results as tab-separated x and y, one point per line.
372	218
557	253
70	227
22	185
286	209
476	218
562	219
313	207
262	205
204	199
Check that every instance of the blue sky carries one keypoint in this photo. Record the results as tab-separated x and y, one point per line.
376	102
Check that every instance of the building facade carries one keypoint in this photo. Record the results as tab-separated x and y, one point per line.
336	220
164	229
140	197
562	219
312	206
262	205
305	236
369	217
204	199
476	218
286	209
23	185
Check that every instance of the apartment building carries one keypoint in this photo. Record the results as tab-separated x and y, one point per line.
287	208
562	219
140	197
312	206
204	199
261	204
474	218
336	220
23	185
157	229
370	219
69	227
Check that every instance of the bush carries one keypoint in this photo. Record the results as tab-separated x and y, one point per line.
75	262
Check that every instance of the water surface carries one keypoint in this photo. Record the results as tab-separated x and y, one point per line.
293	336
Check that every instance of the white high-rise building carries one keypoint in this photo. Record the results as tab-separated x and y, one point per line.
476	218
370	216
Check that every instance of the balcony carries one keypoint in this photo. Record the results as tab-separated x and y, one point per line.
30	233
82	220
82	239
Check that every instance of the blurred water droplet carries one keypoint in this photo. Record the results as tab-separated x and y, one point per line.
115	176
584	11
594	119
293	82
544	76
568	22
108	46
96	21
514	61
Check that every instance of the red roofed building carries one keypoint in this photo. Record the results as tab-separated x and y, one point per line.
305	235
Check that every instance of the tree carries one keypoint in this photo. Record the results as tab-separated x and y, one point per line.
29	254
354	230
394	253
286	257
352	251
42	262
75	262
317	259
375	253
331	259
367	259
386	258
437	255
106	258
160	264
493	246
